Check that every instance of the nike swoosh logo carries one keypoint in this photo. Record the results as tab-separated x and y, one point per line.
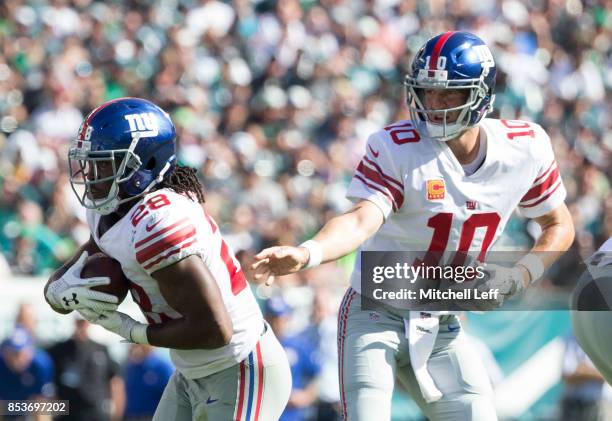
373	152
150	227
209	400
453	328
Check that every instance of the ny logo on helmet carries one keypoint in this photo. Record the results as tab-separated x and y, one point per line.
485	56
142	125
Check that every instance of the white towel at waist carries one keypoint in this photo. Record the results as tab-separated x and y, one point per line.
421	331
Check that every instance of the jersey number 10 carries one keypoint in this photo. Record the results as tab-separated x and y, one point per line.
442	223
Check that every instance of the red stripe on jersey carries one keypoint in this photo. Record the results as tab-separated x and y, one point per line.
379	189
237	279
241	392
165	243
92	114
260	378
375	176
165	256
164	317
545	173
211	221
341	356
541	188
433	61
160	232
531	205
398	183
142	299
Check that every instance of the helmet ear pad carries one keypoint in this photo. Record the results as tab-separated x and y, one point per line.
137	182
150	169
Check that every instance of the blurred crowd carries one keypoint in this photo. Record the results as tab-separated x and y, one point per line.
274	100
81	370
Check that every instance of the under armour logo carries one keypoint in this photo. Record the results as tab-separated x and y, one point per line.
72	300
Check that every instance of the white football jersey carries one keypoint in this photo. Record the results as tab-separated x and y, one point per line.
430	204
161	229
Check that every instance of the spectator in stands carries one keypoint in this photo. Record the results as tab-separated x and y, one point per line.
322	334
302	357
282	95
26	319
25	371
145	376
87	377
583	385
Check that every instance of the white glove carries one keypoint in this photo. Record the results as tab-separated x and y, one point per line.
71	292
507	280
119	323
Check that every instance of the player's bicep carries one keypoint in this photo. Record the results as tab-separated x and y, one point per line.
378	178
547	191
189	287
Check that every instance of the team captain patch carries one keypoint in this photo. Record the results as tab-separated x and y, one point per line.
435	189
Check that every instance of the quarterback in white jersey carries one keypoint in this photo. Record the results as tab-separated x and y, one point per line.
147	213
429	201
448	179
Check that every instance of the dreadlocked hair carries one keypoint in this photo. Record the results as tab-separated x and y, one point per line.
184	180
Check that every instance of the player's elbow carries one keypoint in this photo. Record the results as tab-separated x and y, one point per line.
225	333
567	224
218	335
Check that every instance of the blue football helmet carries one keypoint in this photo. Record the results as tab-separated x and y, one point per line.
452	60
133	137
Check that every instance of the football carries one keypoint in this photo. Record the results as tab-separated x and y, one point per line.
99	264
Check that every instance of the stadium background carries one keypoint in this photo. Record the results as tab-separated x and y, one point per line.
273	102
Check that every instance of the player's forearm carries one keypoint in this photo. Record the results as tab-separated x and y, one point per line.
345	233
186	334
553	242
557	236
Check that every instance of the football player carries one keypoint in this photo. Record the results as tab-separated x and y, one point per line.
146	212
593	297
448	179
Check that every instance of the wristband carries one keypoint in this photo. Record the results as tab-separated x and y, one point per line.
315	253
138	334
534	266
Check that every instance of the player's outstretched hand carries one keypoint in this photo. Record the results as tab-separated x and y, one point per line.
71	292
277	261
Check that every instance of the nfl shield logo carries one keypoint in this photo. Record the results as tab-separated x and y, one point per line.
470	204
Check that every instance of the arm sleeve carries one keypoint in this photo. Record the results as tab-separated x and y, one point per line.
547	190
378	178
164	237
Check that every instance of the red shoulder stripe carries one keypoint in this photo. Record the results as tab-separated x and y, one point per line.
165	243
160	232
